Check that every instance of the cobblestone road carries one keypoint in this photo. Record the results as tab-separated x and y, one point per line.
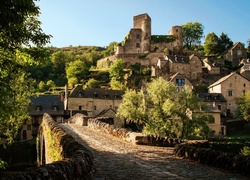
119	160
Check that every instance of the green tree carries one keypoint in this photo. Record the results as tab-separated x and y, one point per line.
211	44
92	83
244	106
42	86
116	70
248	48
192	33
77	69
19	28
224	43
164	112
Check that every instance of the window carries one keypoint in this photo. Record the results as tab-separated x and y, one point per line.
95	95
219	106
244	92
230	93
244	85
55	108
230	84
80	108
176	30
137	45
94	107
80	94
38	108
180	82
137	36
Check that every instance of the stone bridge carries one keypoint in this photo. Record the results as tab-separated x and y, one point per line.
101	151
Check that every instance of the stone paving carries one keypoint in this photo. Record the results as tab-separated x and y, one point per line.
119	160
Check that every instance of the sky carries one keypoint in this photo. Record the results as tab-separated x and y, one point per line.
100	22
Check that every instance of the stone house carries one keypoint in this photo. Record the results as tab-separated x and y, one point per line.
217	125
191	66
216	106
212	67
232	87
245	69
235	54
51	104
91	100
180	80
111	113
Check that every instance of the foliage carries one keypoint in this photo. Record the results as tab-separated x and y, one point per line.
244	106
211	44
192	32
117	85
92	83
224	42
162	38
116	70
20	28
245	151
78	70
3	164
19	25
164	112
216	45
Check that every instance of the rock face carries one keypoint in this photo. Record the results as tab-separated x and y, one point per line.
76	161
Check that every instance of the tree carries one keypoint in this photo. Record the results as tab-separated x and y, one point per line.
164	112
192	32
116	71
211	44
19	28
224	43
244	106
78	70
92	83
248	47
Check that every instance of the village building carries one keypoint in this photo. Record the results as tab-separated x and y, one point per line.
245	69
235	54
51	104
91	100
232	87
180	81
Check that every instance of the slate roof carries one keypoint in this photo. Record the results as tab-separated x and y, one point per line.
212	97
51	104
224	78
104	112
177	59
96	93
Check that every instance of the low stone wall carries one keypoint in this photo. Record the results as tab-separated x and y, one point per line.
134	137
201	153
76	162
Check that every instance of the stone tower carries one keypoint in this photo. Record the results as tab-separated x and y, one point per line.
143	22
177	32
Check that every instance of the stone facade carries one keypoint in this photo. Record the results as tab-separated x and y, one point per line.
235	54
92	100
232	87
245	69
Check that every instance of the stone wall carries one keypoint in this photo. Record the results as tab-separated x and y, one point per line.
203	154
76	161
133	137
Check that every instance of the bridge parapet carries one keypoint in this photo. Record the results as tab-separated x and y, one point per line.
59	155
